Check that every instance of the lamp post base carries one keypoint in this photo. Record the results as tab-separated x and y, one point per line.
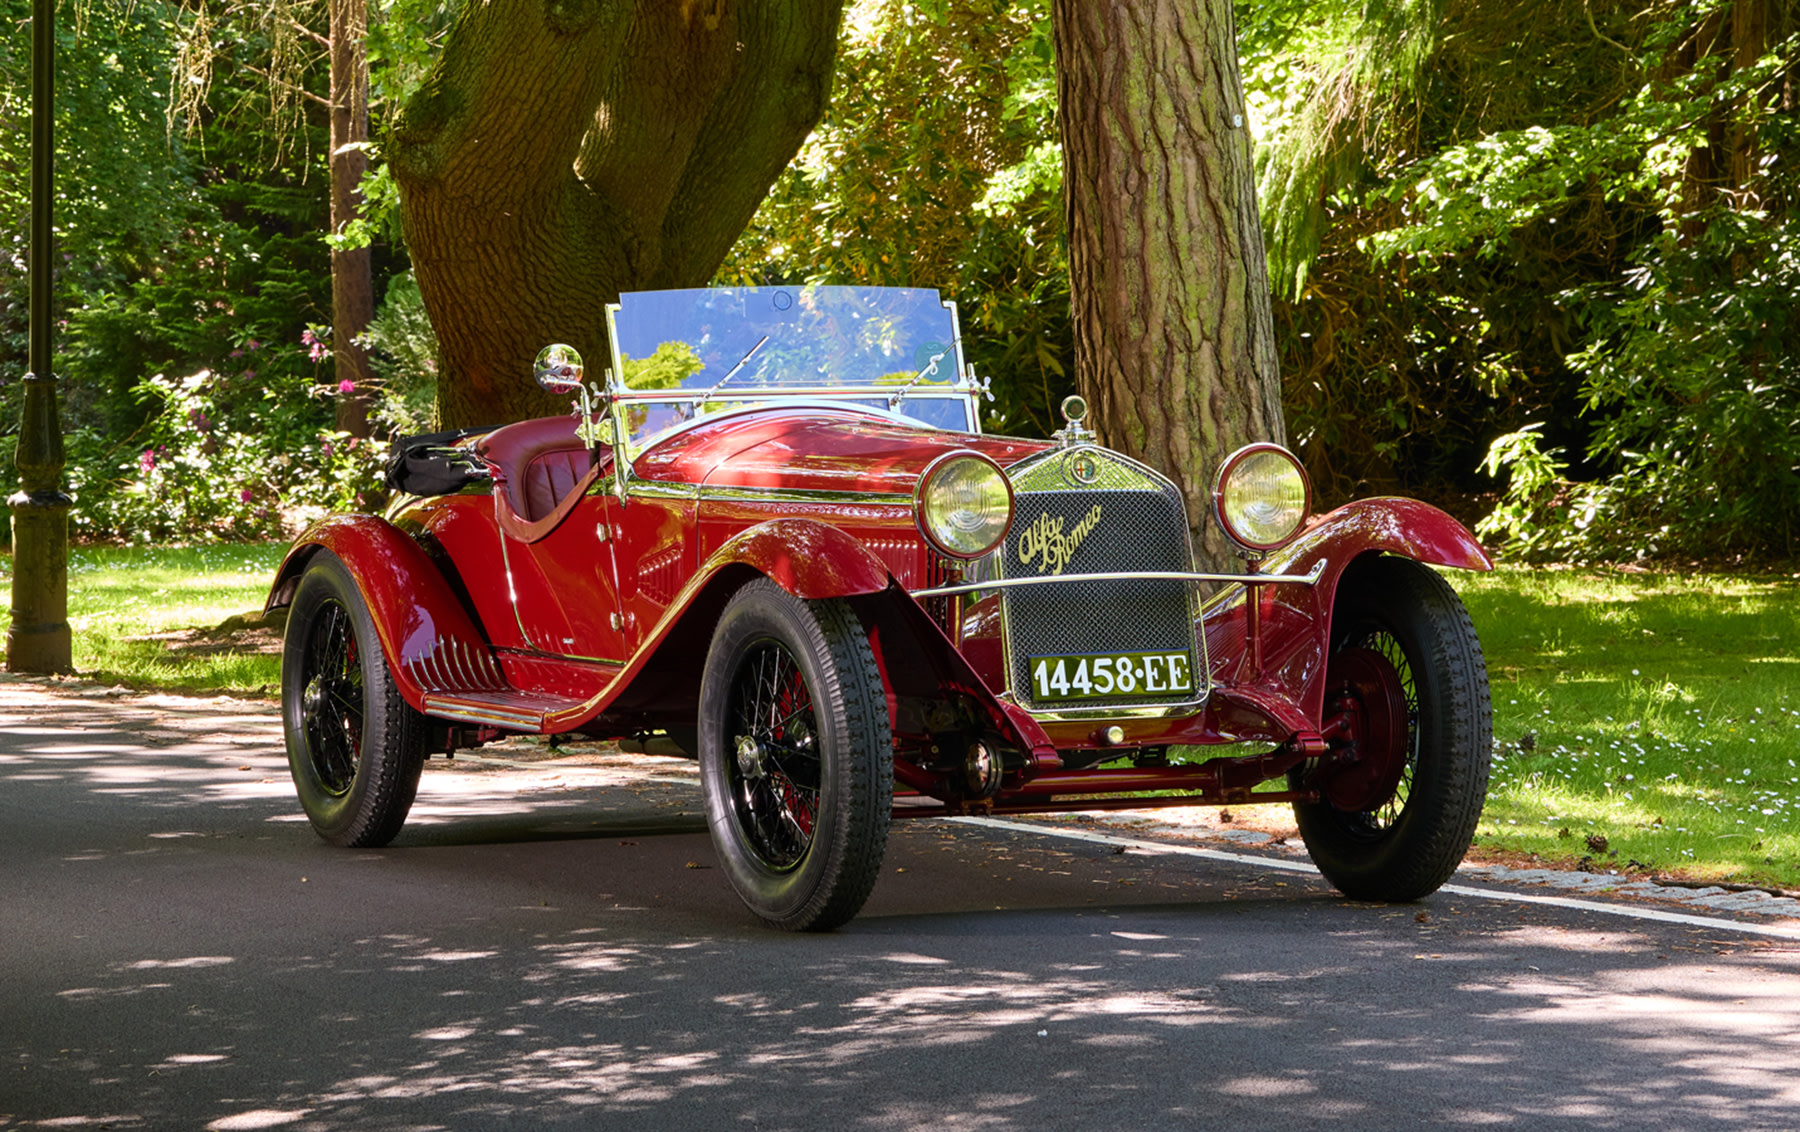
39	639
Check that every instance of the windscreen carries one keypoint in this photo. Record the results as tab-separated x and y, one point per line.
723	347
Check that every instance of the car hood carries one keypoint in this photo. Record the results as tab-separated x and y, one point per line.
814	449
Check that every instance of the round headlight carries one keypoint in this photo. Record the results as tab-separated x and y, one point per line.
964	505
1261	496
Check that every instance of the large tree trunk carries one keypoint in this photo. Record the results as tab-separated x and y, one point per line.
1174	341
352	282
562	152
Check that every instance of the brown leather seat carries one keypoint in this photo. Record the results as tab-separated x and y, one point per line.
538	462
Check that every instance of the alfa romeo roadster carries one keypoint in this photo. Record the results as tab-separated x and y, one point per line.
775	539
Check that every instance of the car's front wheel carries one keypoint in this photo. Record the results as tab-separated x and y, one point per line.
1407	687
355	748
796	756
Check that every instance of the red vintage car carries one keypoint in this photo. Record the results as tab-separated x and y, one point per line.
776	540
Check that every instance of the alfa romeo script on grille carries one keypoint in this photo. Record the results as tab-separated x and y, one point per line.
1116	674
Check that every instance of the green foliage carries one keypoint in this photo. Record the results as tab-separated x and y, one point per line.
403	353
962	192
404	39
666	368
1578	215
191	243
224	456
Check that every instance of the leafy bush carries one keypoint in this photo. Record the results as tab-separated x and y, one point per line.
220	458
403	353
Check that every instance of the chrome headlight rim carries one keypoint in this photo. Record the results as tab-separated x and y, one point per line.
922	517
1222	485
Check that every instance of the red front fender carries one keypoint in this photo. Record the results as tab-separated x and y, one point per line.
423	627
1296	619
808	559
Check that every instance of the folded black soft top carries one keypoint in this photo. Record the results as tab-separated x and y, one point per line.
421	465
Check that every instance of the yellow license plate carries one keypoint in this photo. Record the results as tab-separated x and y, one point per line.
1149	675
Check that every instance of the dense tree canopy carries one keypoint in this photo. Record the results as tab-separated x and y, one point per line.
1558	240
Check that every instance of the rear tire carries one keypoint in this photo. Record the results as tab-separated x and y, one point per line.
796	757
354	746
1406	662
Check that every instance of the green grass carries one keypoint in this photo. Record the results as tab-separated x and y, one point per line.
120	596
1659	711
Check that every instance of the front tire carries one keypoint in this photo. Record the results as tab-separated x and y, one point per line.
355	748
1407	669
796	757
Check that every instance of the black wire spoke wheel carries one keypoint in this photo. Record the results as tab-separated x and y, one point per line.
1406	694
332	699
355	748
775	770
796	756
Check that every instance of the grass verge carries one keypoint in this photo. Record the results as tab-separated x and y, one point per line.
1643	721
141	616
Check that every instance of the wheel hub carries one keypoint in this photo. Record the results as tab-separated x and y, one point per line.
750	757
312	700
1372	716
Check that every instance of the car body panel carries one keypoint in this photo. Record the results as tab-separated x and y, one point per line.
558	598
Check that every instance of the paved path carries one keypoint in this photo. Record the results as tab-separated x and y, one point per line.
547	945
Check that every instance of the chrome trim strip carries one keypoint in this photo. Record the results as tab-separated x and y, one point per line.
1307	579
659	489
492	715
964	371
1152	711
830	394
803	495
793	401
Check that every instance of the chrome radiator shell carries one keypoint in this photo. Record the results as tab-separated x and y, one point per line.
1086	510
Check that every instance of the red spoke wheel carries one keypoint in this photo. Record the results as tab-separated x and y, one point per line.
1371	687
355	748
796	757
1407	696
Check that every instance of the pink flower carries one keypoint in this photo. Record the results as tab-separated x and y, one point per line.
147	462
249	375
245	495
346	387
326	450
253	344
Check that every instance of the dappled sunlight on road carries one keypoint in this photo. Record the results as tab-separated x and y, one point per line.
550	944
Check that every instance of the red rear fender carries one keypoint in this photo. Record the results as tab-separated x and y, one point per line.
422	625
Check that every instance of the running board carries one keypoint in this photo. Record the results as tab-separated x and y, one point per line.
521	711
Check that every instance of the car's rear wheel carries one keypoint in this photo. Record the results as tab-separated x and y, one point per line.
355	748
1407	686
796	757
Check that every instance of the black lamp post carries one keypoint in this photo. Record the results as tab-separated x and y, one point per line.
38	640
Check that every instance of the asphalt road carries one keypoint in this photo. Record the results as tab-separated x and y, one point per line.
549	946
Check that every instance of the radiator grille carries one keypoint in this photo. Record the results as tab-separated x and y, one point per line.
1124	519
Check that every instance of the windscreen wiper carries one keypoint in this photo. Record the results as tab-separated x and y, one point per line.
729	376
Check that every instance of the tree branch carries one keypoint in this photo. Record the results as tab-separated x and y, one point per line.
292	88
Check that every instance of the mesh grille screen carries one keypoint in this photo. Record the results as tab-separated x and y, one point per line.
1112	531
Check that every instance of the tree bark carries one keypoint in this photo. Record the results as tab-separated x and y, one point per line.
564	151
1174	340
352	281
